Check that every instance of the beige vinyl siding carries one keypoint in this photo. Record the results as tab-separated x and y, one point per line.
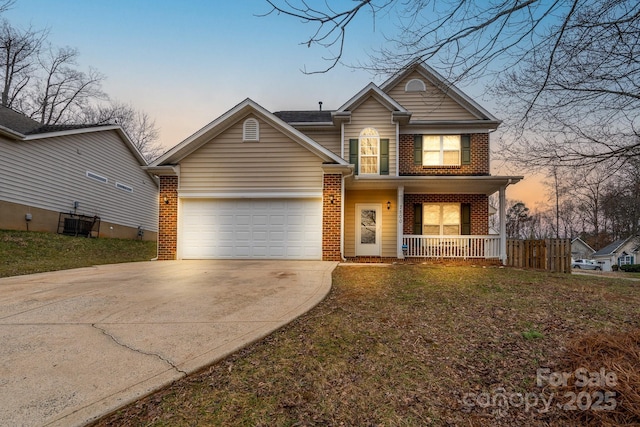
329	140
50	173
389	220
372	114
434	104
274	163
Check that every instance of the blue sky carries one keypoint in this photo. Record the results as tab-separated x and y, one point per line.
186	62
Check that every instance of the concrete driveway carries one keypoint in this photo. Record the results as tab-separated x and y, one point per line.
77	344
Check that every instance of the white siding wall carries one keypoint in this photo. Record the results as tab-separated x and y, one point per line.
372	114
434	104
51	174
329	140
274	163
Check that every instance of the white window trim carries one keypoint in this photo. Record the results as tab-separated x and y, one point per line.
441	224
625	260
96	177
414	82
442	150
360	138
251	134
124	187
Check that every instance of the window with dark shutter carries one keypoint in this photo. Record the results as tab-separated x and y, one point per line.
353	153
465	146
465	214
417	150
417	218
384	157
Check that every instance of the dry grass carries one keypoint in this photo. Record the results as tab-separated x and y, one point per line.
27	252
604	353
411	346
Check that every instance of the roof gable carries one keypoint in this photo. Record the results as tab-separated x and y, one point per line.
579	241
22	128
205	134
617	246
447	89
372	90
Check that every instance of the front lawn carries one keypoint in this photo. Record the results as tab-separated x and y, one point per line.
426	345
24	252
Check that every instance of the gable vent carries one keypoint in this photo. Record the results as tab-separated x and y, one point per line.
251	130
415	85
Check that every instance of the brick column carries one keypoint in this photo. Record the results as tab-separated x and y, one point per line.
168	218
331	210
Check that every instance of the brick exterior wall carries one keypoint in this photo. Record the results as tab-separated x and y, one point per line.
332	186
168	218
479	209
479	159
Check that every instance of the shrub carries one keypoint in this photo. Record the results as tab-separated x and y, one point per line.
631	268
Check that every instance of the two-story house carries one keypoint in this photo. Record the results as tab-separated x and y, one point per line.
400	170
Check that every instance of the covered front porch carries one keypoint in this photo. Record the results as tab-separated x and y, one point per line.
383	217
452	246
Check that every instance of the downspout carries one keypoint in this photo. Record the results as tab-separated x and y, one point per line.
342	193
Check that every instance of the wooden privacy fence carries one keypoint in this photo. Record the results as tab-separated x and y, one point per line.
548	254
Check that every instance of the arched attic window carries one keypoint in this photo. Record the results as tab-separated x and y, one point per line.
250	130
415	85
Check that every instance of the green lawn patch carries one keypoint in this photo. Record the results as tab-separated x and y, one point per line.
23	252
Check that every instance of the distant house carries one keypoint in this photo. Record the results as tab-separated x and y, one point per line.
580	249
76	171
620	252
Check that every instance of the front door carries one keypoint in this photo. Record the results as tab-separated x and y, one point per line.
368	229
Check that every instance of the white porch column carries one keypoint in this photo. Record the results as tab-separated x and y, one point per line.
503	225
400	220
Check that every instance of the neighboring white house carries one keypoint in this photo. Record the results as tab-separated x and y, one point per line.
580	249
620	252
94	171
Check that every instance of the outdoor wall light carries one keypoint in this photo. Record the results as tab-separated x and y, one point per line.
388	205
166	200
331	198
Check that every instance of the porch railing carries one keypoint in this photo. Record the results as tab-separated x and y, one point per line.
451	246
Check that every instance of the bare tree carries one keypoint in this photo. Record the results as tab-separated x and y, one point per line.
588	189
621	202
64	91
140	128
46	84
18	59
567	70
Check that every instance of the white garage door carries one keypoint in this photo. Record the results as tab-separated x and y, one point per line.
251	228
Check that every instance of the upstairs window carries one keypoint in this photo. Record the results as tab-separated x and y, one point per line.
369	152
251	130
442	150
